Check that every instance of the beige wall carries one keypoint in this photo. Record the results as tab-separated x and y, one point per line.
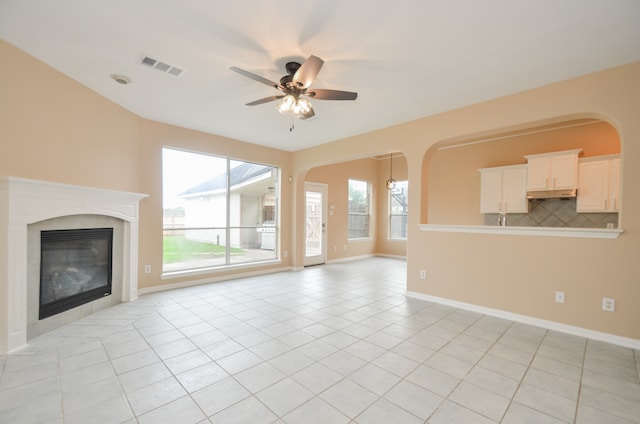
454	180
54	129
50	127
517	273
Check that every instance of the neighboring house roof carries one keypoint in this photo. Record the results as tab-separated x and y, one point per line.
239	175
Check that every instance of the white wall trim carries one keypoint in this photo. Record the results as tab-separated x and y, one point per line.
388	255
370	255
600	233
550	325
350	258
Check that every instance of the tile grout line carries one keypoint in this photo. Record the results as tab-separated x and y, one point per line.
175	376
584	359
60	386
520	382
379	397
124	392
446	398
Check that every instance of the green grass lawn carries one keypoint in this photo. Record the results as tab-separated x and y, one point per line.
178	249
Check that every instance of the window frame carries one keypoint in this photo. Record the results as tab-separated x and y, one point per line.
233	226
354	214
391	214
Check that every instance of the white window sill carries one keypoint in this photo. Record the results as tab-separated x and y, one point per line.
600	233
214	270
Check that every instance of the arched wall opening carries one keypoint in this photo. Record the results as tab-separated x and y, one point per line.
376	170
450	171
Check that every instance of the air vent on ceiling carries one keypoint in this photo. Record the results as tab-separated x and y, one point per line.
161	66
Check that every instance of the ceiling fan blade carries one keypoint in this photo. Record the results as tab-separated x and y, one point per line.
308	71
308	115
256	77
264	100
322	94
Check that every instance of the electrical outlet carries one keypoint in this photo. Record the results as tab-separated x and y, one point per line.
423	274
559	297
608	304
147	269
286	253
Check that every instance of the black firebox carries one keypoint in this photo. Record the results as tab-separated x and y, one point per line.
75	268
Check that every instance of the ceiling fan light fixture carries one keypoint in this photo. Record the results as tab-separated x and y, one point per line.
304	105
287	104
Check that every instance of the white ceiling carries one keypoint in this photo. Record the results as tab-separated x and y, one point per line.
406	59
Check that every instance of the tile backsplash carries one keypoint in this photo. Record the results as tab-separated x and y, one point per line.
555	213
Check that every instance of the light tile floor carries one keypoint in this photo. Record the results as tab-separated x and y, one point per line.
337	343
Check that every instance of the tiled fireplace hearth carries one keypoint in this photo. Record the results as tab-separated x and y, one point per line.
28	207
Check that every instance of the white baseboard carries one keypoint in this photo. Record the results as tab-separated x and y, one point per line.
209	280
370	255
350	258
550	325
387	255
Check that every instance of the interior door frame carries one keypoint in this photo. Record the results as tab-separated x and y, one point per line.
323	189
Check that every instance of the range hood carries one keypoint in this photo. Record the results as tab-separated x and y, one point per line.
568	193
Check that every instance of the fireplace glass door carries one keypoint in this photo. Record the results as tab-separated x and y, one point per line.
75	268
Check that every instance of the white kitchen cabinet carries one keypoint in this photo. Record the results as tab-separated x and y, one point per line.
598	185
503	188
553	171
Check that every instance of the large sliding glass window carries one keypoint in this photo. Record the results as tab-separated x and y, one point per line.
359	206
398	211
217	211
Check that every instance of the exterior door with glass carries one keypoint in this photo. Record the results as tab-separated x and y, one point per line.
315	247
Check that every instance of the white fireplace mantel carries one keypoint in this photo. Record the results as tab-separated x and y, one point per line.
24	202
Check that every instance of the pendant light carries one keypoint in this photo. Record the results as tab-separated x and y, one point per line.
391	183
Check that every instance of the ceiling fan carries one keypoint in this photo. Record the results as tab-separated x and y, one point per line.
295	88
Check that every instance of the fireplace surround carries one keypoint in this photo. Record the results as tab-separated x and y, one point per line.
25	204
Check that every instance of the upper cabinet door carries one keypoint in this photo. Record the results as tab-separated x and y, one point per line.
614	185
553	171
504	189
598	185
593	186
490	191
539	170
514	190
564	171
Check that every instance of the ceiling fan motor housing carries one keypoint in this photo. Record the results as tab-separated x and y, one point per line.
292	67
286	81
